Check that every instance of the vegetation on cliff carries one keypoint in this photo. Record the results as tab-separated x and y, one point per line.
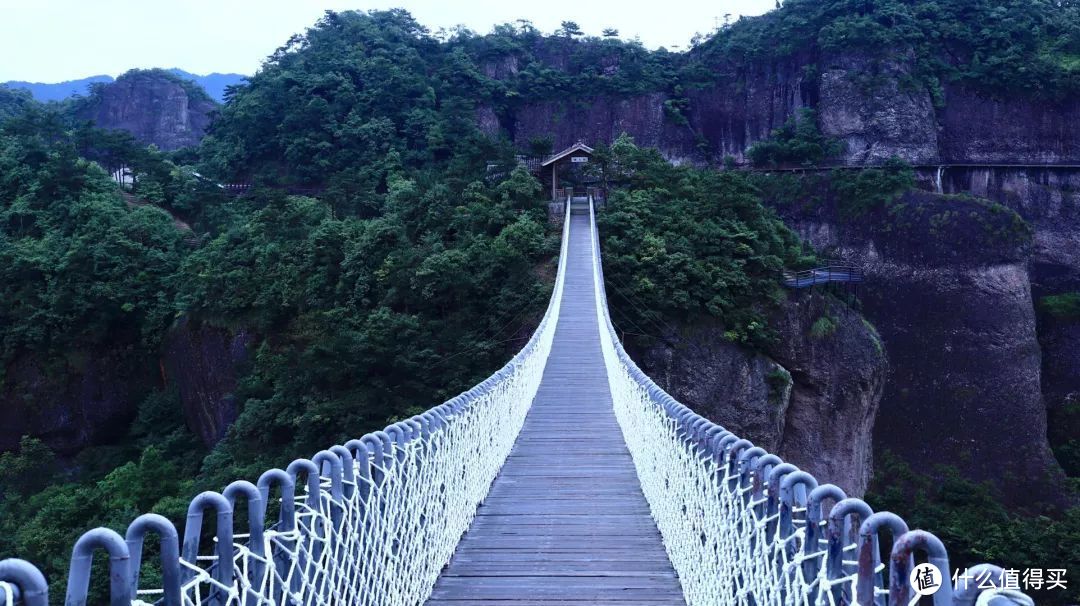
681	242
419	265
797	143
137	77
77	266
1064	306
1014	47
407	282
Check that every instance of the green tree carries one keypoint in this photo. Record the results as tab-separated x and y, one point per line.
569	29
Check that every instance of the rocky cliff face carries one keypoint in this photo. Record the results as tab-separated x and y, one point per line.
601	119
978	129
83	400
867	104
973	371
1060	341
155	107
203	362
812	398
948	287
91	399
1049	200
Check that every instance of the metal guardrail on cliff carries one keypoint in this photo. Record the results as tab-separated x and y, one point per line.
743	527
370	522
833	272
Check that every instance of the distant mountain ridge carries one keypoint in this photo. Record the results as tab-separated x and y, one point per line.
214	84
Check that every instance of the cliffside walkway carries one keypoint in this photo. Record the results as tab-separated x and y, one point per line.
835	272
565	522
567	477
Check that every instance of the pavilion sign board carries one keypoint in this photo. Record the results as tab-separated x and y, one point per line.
577	153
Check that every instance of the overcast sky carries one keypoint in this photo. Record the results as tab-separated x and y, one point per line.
55	40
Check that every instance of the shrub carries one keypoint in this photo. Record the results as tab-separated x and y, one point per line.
1065	306
797	142
825	326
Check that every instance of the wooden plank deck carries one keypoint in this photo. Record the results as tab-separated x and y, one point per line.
565	523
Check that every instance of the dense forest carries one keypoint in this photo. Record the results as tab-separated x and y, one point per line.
1002	48
422	258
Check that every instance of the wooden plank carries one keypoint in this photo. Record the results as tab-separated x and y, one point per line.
565	522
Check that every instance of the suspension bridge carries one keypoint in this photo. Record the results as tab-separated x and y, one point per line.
566	478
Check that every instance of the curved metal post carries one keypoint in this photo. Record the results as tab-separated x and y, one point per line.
308	467
842	532
901	563
347	472
769	461
378	444
711	433
312	502
399	434
718	444
732	458
170	555
980	574
256	510
362	456
793	493
26	580
869	579
745	466
426	421
814	518
698	430
772	502
278	557
329	465
793	490
287	513
82	558
223	571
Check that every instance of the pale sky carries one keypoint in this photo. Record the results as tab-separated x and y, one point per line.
55	40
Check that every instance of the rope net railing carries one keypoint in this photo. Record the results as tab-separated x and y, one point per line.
371	522
742	527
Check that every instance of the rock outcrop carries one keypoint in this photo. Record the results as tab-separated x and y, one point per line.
84	399
978	129
92	397
1048	199
812	398
203	362
948	288
878	121
155	106
868	104
1060	341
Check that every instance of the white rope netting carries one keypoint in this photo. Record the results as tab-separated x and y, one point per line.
385	548
386	538
379	518
723	542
